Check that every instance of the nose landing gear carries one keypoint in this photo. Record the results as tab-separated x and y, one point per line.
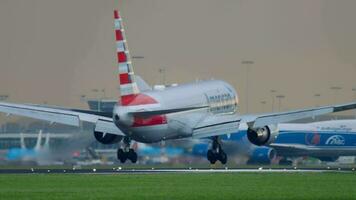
216	153
126	153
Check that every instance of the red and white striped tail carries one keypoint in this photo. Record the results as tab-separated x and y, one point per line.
128	86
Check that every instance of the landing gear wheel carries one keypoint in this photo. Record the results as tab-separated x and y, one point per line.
126	153
285	162
216	153
222	157
132	155
121	155
211	156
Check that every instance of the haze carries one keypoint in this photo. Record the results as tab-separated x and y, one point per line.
54	51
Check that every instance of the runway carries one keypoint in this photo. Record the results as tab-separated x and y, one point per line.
160	171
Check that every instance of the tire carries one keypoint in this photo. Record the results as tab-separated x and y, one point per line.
222	157
285	162
132	155
211	157
121	155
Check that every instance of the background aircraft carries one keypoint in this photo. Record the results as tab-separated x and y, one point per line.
326	140
38	154
194	110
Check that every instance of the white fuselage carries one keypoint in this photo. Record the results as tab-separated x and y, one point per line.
218	97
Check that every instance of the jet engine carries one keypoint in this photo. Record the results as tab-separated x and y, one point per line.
262	136
107	138
262	155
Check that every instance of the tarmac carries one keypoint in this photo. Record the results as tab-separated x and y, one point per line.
160	171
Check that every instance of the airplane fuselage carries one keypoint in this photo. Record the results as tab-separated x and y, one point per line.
324	140
218	97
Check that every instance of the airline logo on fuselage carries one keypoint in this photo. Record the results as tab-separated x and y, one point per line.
312	138
222	103
335	140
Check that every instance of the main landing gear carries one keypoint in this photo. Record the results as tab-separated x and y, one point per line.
216	153
126	153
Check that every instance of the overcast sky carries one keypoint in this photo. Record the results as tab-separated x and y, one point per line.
53	51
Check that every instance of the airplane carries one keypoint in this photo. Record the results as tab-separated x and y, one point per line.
193	110
29	154
324	140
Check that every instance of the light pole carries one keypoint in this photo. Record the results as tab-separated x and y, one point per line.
162	72
97	98
317	97
335	89
104	93
263	103
4	97
354	90
273	96
280	97
83	97
247	63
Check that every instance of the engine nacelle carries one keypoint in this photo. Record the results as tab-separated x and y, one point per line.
107	138
262	155
262	136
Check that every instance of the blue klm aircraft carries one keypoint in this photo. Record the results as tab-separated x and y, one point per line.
28	154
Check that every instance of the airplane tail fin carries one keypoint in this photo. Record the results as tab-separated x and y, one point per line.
128	85
22	141
46	144
39	140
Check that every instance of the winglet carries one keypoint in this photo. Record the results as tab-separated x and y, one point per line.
22	141
39	141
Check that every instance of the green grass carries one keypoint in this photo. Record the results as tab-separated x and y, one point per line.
180	186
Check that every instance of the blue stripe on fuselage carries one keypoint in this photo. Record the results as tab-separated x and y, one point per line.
314	138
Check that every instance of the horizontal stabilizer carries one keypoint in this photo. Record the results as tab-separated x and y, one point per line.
106	126
142	84
149	113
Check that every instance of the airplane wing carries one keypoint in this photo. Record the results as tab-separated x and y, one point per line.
230	123
261	120
72	117
214	126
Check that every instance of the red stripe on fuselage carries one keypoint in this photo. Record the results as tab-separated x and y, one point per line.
150	121
137	99
142	99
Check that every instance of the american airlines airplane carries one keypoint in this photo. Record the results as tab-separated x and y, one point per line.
193	110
